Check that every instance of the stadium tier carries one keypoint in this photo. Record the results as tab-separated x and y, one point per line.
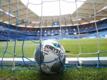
11	32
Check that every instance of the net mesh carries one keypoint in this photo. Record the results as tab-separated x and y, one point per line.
17	50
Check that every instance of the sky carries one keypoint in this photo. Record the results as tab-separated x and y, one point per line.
51	7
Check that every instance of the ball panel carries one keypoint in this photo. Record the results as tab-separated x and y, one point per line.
56	67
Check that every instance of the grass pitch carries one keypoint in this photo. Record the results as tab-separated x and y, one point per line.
70	74
72	47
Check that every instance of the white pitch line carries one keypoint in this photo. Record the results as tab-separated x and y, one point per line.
81	60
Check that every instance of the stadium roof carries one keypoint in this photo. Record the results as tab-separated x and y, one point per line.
52	7
14	11
17	12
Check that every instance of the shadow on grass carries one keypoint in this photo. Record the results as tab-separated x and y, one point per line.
42	76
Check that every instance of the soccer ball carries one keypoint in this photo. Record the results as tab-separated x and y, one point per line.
50	57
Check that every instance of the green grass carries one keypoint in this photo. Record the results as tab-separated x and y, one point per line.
74	47
70	74
28	48
85	46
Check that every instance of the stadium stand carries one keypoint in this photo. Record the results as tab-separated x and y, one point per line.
11	32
